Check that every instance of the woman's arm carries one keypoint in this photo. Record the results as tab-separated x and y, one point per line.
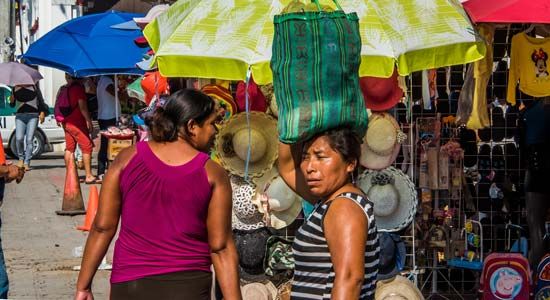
12	98
288	165
346	228
83	106
104	226
220	237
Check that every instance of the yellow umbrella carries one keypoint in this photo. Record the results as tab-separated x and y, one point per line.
223	38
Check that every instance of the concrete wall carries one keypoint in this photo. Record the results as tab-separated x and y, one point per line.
52	13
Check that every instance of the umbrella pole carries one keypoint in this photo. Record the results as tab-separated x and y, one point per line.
116	98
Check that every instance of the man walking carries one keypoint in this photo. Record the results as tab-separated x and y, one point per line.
107	109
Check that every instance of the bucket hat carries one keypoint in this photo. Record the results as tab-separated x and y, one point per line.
259	291
232	142
392	255
468	142
251	245
399	288
245	215
152	14
393	195
382	142
498	128
223	97
381	94
276	200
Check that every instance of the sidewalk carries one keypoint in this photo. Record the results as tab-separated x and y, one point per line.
38	244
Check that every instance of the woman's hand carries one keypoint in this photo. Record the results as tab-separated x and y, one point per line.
84	295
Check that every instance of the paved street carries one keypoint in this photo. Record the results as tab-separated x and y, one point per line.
38	244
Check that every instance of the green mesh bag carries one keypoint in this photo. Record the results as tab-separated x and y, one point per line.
315	63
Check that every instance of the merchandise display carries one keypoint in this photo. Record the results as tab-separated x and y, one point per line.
454	136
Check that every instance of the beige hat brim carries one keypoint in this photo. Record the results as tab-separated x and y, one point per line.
400	288
405	211
279	219
260	122
373	161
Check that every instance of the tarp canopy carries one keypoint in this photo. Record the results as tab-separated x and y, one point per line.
508	11
88	46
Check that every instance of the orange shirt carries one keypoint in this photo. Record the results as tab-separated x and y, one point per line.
2	154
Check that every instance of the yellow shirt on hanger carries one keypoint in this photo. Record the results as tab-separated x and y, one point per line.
529	65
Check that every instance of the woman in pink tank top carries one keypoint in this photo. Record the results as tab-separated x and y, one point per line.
174	207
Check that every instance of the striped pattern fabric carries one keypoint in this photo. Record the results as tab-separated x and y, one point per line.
314	273
315	64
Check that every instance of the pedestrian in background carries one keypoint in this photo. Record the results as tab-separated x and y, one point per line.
174	205
77	124
30	108
107	109
7	174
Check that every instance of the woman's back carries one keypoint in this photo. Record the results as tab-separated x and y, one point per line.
163	217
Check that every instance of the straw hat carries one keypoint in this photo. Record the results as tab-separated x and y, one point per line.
393	195
223	97
259	291
382	142
400	288
269	93
232	144
283	204
245	215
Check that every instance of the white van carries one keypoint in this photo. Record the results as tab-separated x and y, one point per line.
47	133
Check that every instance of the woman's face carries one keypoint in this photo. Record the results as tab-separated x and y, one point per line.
203	134
324	168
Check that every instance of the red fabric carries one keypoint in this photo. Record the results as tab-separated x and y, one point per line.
2	154
76	92
256	99
508	11
75	135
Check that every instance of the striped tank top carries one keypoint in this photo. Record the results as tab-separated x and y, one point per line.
314	273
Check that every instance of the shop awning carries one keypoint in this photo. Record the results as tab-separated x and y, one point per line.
508	11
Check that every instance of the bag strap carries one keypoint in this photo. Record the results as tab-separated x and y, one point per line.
319	5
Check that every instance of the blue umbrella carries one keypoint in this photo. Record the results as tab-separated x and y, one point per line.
88	46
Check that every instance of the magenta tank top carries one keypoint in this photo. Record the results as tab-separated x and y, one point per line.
163	217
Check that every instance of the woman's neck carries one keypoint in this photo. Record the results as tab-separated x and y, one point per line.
346	188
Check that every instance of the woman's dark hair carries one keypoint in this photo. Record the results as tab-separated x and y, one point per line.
180	107
344	141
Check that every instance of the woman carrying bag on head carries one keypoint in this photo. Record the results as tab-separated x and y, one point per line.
336	249
174	206
30	109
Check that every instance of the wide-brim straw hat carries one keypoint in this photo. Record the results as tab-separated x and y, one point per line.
284	204
245	215
259	291
382	142
393	195
232	144
399	288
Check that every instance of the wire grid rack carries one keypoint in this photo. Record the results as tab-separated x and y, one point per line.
506	165
497	163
